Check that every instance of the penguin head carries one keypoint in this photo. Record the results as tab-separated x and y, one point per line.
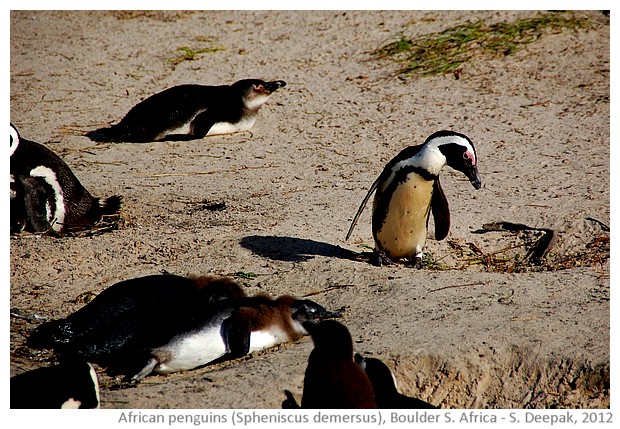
303	310
460	153
381	378
256	92
14	139
332	340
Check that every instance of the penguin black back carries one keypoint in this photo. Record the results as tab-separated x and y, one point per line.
46	195
71	384
333	379
384	386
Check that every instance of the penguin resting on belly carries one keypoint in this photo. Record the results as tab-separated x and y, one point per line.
167	323
45	194
408	190
188	112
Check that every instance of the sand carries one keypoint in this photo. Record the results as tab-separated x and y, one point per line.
469	335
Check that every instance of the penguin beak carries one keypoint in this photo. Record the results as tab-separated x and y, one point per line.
275	85
331	314
473	176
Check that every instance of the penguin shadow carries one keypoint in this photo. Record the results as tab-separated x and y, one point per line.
292	249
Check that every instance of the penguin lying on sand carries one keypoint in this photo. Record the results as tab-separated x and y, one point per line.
46	195
332	379
187	112
142	325
408	190
72	384
384	386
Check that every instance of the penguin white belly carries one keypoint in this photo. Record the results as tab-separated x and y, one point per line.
190	351
403	233
266	338
229	127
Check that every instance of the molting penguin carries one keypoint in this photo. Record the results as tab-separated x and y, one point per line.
332	378
384	386
169	323
46	195
234	328
187	112
407	191
71	384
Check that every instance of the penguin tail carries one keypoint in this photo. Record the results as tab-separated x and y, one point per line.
111	205
105	135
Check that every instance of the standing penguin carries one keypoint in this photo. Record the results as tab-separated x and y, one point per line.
46	195
187	112
384	386
408	190
70	384
332	379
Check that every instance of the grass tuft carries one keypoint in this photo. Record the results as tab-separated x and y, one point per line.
446	51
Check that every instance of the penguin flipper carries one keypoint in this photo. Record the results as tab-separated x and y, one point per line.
201	124
441	211
372	189
290	402
236	339
36	196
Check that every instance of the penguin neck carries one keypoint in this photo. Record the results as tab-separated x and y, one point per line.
430	158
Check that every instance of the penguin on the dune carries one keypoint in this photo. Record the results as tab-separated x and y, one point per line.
190	111
166	324
332	379
45	194
70	384
408	190
384	386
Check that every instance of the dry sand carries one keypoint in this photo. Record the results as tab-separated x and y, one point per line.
472	336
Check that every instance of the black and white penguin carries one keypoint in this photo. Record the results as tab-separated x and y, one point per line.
120	314
71	384
168	323
187	112
45	194
234	328
332	379
384	385
408	190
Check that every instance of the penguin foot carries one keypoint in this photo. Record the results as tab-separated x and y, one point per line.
381	259
149	367
416	262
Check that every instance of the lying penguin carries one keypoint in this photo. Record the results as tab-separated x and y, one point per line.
157	331
187	112
45	194
332	379
408	190
384	386
71	384
119	314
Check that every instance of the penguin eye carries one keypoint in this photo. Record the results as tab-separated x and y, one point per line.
468	158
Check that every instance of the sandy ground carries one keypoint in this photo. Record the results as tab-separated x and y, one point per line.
470	336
